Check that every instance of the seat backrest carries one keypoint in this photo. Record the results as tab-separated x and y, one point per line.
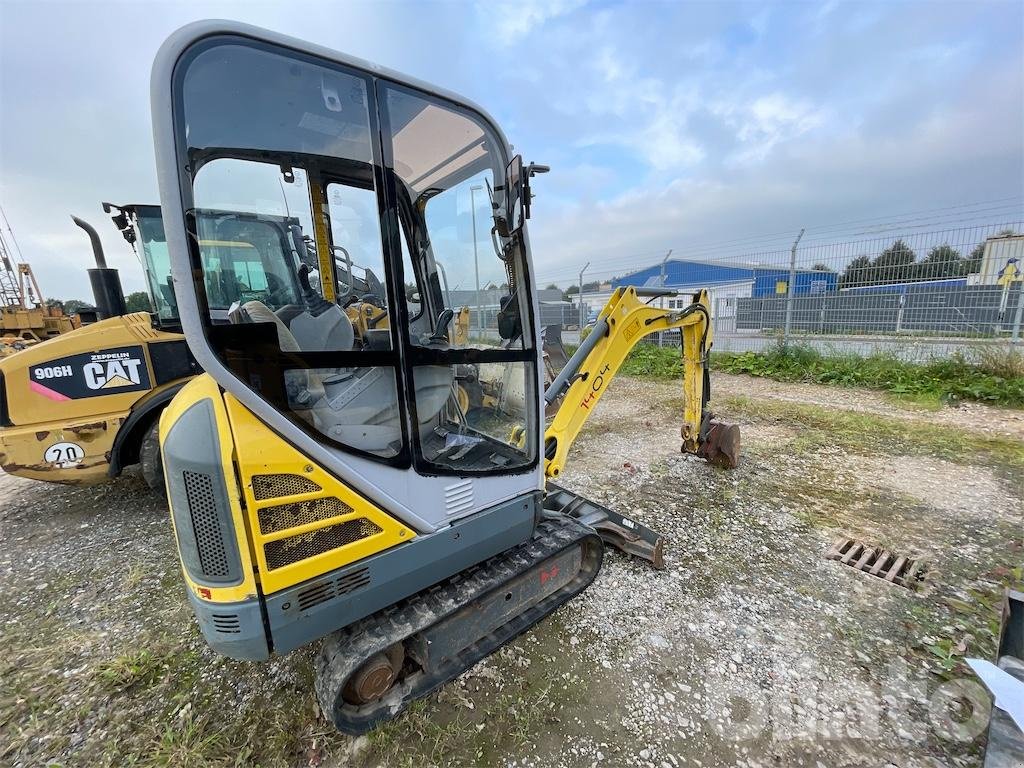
258	312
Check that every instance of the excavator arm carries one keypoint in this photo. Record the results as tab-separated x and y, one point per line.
623	322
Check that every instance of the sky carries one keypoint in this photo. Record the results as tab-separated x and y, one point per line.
666	125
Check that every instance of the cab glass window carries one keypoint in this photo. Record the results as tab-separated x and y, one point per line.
467	292
287	234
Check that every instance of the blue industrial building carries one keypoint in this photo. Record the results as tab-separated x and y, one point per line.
764	281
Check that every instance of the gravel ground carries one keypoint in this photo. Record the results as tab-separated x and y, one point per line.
750	649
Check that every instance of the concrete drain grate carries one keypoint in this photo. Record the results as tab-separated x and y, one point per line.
897	569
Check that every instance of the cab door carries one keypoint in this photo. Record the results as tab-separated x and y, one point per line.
383	181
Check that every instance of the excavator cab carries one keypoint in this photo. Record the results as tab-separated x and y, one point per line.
361	462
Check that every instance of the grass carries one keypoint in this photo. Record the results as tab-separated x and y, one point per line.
988	374
993	375
482	722
872	434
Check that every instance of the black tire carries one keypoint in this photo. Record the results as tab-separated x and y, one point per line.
149	457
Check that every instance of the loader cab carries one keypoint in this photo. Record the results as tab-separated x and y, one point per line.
406	203
246	257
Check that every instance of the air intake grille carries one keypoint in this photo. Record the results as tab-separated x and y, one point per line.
285	516
275	486
296	548
202	506
328	590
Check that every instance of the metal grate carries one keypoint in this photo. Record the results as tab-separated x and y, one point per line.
202	506
328	590
275	486
285	516
896	569
295	548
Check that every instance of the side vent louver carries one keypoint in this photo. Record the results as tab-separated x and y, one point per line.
328	590
458	497
282	552
226	623
276	486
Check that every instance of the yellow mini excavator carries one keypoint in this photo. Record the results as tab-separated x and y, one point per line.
329	480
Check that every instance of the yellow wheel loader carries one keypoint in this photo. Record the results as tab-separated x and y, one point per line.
79	407
326	479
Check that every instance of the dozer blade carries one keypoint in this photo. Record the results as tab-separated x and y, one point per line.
721	446
374	668
615	530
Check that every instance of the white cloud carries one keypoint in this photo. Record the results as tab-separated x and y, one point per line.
514	21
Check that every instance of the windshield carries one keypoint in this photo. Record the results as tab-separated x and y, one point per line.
448	163
156	262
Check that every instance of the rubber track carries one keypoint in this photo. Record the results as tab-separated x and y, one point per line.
345	650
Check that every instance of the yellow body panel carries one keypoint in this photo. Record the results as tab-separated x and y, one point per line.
363	315
203	387
40	422
629	320
260	451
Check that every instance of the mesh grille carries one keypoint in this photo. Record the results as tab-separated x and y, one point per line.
202	506
284	516
275	486
296	548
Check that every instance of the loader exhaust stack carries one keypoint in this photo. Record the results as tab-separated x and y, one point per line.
106	284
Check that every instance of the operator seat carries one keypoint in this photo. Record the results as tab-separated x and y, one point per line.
355	406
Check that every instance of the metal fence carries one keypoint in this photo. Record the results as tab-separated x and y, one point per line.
919	292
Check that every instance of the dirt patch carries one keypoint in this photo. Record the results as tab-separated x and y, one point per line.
962	491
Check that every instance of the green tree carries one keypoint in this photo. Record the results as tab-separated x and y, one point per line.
572	290
551	287
138	302
941	261
894	265
819	267
857	272
55	304
71	306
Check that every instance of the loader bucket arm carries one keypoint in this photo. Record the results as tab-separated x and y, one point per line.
623	322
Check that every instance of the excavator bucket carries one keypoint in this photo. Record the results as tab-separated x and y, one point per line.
721	444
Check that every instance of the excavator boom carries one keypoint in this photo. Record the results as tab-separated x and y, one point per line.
623	322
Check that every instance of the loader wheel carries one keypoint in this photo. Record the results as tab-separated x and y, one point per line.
149	457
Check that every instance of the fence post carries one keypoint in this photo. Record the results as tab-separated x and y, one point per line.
579	295
789	290
1018	316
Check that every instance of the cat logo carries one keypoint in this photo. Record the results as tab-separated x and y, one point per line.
112	374
112	371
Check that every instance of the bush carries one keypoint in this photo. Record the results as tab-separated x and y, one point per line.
996	379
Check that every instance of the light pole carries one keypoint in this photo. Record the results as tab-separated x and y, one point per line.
476	261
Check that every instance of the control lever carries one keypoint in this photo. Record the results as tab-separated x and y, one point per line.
443	321
316	304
